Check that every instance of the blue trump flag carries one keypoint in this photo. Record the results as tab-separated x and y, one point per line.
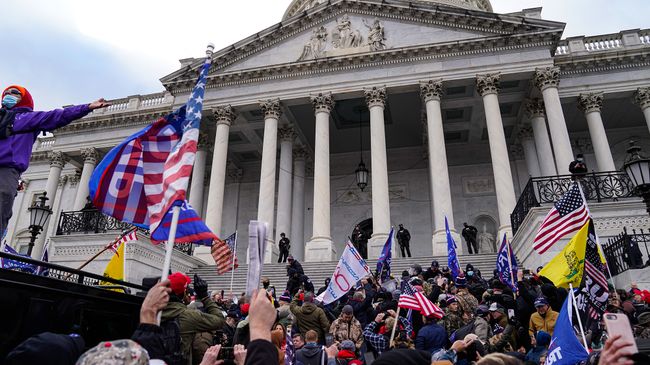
507	265
385	258
452	259
565	349
16	265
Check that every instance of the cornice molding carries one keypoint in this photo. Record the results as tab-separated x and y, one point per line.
604	63
116	120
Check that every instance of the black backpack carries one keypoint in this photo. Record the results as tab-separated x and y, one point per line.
171	336
7	118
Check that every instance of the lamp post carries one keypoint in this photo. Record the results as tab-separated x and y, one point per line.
38	216
637	168
361	172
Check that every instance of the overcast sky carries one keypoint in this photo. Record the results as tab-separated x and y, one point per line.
74	51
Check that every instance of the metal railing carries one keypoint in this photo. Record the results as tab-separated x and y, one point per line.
93	221
596	186
54	271
624	252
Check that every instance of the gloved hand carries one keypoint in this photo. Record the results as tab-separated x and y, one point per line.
200	287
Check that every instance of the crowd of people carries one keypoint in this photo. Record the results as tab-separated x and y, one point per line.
484	322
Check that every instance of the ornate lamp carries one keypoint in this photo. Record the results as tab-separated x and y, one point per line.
637	168
361	172
39	213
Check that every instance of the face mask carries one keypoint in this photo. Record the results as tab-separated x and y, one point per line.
9	101
470	273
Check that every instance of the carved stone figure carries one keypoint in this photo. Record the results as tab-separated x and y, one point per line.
376	35
345	36
316	46
486	241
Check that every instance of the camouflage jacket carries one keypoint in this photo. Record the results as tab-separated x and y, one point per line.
467	302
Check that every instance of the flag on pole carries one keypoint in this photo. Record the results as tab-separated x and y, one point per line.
507	264
413	299
383	263
115	267
567	266
290	350
131	236
568	215
452	259
10	264
139	180
349	271
593	295
223	253
42	270
565	348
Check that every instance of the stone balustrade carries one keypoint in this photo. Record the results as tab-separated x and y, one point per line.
581	45
136	102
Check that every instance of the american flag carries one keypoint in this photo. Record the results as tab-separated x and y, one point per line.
223	253
143	177
131	236
594	291
568	215
413	299
290	350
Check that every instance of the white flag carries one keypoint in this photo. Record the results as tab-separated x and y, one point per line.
350	270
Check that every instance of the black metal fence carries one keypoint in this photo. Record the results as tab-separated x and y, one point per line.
596	186
93	221
627	251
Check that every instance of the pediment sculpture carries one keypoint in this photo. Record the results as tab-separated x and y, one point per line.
316	46
376	37
345	36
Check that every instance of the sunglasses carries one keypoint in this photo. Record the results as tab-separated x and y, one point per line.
13	92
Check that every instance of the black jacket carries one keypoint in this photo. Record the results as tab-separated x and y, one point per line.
261	352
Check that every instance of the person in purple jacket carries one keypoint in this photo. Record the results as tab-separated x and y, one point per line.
19	127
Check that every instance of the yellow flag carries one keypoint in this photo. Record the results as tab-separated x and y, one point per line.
115	267
567	266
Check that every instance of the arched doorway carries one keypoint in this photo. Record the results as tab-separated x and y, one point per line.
361	232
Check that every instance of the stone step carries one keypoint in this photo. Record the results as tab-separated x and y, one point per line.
319	271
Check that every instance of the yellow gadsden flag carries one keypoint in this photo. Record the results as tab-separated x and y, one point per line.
567	266
115	267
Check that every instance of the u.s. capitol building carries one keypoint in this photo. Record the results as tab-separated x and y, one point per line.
451	107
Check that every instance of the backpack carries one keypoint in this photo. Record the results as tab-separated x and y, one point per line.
460	333
7	118
171	337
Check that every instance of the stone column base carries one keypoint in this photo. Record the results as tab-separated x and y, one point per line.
439	243
376	244
320	249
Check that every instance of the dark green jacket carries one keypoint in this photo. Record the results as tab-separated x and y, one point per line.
192	321
310	317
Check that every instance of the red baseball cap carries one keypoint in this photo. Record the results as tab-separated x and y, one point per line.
178	283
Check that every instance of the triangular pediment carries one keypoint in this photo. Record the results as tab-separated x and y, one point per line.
346	29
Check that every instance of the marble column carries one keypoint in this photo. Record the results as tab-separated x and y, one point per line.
298	205
548	81
642	98
488	87
537	114
525	136
320	247
591	105
283	225
431	91
376	100
223	117
57	160
197	185
90	156
266	201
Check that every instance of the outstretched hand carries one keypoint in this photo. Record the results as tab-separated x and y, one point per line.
99	103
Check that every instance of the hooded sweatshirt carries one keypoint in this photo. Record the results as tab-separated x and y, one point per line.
16	150
311	354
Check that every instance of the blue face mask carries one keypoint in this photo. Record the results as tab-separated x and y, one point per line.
9	101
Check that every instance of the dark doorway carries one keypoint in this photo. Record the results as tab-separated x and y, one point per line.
365	226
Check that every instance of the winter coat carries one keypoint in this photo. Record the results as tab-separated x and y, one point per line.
311	354
452	321
352	331
467	302
192	321
431	337
546	323
310	317
482	329
16	150
285	317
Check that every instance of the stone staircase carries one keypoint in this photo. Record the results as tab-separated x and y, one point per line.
319	271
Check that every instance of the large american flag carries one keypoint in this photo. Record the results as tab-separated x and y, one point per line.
594	292
143	177
568	215
224	253
413	299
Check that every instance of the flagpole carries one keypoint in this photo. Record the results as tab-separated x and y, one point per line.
234	255
106	248
392	334
169	247
575	305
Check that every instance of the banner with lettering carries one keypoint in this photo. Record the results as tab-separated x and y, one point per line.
350	270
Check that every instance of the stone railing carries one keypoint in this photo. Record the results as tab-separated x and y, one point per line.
136	102
628	39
